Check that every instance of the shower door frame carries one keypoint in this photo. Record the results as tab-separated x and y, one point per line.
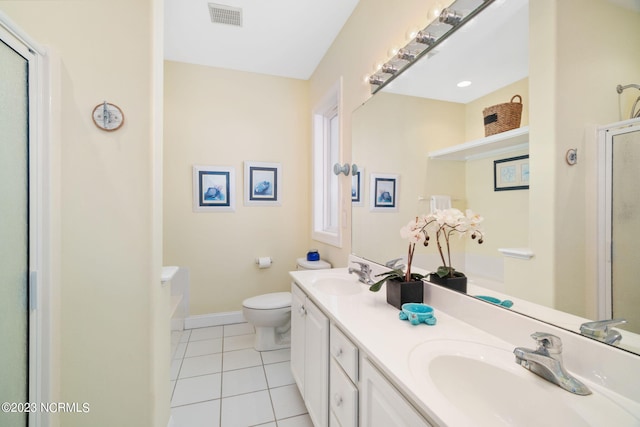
40	195
605	143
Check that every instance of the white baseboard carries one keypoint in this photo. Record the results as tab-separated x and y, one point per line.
213	319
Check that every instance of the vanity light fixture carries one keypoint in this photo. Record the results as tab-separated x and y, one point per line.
376	80
389	68
406	55
425	37
450	17
425	40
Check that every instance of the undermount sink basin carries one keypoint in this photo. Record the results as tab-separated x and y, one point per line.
485	384
338	285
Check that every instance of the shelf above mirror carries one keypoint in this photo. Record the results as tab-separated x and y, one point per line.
505	142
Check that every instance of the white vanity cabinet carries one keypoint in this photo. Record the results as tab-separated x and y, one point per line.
310	355
339	385
343	380
381	405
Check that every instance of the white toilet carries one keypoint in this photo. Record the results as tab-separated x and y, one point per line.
270	313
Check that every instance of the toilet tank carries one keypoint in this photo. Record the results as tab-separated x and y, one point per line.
303	264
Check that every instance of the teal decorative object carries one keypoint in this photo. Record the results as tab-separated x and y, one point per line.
417	313
506	303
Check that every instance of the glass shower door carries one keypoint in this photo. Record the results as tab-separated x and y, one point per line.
14	234
625	226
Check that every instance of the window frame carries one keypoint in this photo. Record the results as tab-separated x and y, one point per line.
327	221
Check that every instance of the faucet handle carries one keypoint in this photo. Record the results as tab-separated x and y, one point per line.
393	263
548	342
599	328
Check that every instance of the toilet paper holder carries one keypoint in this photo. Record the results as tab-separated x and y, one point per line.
264	262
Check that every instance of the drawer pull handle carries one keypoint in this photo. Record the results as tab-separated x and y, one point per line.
338	352
337	399
301	310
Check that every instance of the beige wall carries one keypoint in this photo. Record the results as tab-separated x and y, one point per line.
222	118
107	292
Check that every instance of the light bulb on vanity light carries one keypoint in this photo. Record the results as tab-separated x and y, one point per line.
411	34
434	12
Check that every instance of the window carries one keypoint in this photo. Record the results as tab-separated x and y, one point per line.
326	153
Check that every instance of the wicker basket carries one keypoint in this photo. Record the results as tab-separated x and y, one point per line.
502	117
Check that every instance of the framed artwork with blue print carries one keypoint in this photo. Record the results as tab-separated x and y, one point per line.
383	192
214	189
357	184
511	173
262	184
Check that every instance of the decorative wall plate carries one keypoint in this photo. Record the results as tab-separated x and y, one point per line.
107	116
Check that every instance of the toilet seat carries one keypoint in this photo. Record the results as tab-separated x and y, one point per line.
268	301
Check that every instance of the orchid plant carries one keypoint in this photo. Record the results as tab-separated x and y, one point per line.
444	224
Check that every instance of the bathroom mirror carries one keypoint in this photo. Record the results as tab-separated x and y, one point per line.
396	130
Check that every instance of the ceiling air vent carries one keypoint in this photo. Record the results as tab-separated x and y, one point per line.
222	14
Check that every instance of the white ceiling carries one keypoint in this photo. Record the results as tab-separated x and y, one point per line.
285	38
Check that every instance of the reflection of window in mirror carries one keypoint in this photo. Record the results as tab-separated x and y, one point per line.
326	153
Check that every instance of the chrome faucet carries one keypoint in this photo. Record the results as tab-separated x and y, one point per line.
546	361
364	274
600	330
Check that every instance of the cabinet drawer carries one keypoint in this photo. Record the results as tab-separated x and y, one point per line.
344	352
343	397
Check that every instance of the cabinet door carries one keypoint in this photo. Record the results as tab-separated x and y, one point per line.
316	365
343	396
381	405
298	316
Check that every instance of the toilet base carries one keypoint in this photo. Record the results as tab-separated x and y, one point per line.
270	338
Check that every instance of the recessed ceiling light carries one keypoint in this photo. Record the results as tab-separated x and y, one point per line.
464	83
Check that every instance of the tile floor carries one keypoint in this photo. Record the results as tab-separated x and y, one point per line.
219	380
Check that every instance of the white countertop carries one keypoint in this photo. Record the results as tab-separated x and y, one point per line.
376	329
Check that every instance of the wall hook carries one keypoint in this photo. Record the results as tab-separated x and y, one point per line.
345	169
338	169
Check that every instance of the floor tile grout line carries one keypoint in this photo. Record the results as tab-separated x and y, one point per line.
221	379
273	409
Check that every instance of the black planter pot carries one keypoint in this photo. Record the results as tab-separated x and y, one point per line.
400	292
458	283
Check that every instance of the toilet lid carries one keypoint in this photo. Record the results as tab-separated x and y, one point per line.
269	301
312	265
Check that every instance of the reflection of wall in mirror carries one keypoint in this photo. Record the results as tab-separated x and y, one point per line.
392	134
506	213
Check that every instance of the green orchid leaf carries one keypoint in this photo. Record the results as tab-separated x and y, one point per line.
394	273
444	271
376	286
